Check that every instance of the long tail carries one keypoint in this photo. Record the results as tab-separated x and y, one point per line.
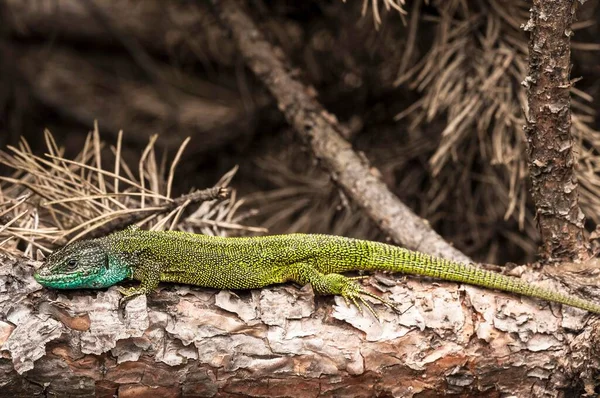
397	259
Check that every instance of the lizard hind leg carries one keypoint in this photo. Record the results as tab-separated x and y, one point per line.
338	285
351	291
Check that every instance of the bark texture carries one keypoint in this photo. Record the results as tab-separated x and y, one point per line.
281	341
551	160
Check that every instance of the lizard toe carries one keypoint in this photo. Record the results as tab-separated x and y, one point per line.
354	292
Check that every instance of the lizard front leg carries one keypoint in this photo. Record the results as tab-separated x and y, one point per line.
147	271
332	284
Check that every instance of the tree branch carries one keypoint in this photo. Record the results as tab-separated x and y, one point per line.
323	133
551	160
281	341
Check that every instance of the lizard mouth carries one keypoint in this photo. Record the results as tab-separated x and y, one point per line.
64	281
40	276
43	275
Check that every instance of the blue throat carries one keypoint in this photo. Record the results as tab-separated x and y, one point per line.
116	272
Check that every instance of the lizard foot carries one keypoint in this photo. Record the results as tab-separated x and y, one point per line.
353	293
129	293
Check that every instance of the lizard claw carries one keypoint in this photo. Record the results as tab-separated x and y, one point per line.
359	278
353	292
129	294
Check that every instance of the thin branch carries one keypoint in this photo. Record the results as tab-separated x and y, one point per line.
135	215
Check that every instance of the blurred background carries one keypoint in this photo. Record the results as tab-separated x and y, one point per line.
432	97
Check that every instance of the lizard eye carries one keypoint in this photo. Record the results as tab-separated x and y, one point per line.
72	264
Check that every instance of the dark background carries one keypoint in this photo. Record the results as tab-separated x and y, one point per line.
433	99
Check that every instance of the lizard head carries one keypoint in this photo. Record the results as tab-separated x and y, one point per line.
80	265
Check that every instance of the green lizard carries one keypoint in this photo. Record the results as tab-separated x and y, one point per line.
250	263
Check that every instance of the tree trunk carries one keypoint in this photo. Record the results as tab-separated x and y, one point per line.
281	341
551	162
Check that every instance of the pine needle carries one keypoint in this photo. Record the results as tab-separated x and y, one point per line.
50	200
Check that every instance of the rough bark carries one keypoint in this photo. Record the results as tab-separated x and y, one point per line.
551	159
281	341
321	130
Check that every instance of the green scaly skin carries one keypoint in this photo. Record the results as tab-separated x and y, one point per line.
250	263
